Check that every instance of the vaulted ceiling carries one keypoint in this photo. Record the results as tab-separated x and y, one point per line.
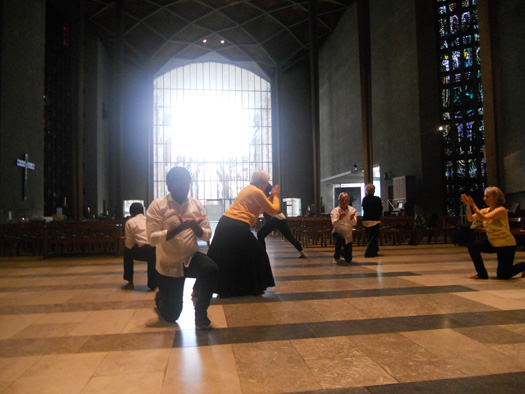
268	32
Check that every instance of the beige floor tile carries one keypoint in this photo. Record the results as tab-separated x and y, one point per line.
66	374
517	328
439	280
450	303
337	363
10	325
337	309
207	369
469	356
515	351
273	367
46	330
63	317
217	316
104	322
403	359
511	294
493	300
110	295
134	362
379	307
304	286
138	383
37	297
241	315
381	283
293	312
13	367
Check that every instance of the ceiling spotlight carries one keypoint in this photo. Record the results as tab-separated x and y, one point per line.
440	128
204	41
222	41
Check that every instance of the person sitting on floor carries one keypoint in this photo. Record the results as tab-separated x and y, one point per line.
137	247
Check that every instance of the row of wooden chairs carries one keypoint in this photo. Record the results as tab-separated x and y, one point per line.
395	230
59	238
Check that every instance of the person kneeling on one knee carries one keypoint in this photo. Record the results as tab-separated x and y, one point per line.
499	238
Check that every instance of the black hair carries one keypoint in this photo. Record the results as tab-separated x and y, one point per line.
178	174
135	209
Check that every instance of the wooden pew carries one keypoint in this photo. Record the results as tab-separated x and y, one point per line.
82	238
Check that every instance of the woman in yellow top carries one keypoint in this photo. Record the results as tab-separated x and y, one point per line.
500	239
244	266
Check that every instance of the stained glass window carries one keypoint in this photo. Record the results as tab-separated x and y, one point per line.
461	101
215	120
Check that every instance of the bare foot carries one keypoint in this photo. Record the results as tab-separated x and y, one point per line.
302	255
474	277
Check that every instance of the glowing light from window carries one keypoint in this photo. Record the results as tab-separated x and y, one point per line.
210	127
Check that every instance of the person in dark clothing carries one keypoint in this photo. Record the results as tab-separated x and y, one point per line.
278	222
372	212
138	247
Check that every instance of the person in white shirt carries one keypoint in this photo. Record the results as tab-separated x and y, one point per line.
137	247
344	218
174	224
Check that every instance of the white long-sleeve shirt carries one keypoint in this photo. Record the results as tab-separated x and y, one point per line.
345	225
176	253
135	230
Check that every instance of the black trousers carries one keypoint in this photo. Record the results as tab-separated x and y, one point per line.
372	234
142	253
283	227
342	248
169	296
505	270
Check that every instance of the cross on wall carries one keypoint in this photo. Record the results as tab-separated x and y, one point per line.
26	165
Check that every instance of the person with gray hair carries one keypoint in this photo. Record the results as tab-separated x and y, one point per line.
372	211
499	238
344	218
244	266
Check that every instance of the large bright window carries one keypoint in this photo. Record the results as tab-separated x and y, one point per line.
215	120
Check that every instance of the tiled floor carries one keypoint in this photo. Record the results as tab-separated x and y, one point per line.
408	321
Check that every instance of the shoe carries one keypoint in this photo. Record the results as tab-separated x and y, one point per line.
203	324
129	286
476	277
335	261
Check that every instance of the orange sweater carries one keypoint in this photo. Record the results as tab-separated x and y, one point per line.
250	203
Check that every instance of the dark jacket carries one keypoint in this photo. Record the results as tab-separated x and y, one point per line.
372	208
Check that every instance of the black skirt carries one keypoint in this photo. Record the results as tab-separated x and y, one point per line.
244	266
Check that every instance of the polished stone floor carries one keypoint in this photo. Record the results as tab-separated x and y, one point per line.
408	321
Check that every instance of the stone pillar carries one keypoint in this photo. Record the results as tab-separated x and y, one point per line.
22	45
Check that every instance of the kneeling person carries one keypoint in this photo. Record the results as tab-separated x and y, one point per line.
175	223
343	219
137	247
